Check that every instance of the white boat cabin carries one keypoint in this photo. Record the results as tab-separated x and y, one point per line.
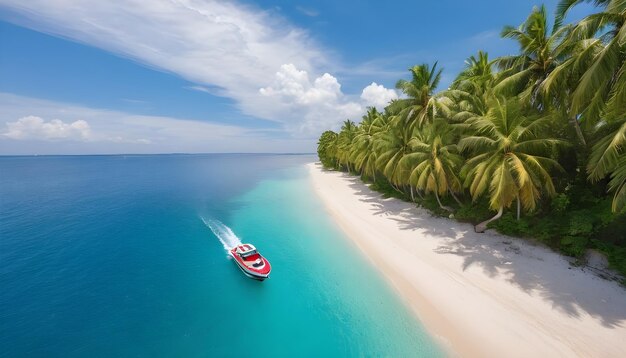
246	250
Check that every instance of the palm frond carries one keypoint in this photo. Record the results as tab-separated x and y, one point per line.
618	185
606	152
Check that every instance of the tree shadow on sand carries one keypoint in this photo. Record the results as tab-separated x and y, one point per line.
531	267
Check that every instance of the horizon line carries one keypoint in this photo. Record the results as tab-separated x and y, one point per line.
148	154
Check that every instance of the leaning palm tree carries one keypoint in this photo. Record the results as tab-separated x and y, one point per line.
507	158
434	161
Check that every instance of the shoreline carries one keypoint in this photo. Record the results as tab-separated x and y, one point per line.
483	295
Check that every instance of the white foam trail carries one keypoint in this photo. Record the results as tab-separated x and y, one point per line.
226	236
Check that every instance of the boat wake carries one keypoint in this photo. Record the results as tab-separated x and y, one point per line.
226	236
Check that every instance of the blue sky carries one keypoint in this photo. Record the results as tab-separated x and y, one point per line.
82	77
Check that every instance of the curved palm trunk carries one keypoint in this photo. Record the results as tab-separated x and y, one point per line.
392	184
483	225
519	208
396	188
412	196
579	132
441	205
455	198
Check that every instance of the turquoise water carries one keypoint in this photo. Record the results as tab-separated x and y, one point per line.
111	256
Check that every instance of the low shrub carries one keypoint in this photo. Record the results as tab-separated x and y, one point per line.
509	225
574	245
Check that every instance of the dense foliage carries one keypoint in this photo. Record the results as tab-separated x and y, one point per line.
538	138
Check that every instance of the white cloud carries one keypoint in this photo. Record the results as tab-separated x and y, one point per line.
308	11
294	85
33	127
314	105
225	48
234	49
81	130
377	95
212	91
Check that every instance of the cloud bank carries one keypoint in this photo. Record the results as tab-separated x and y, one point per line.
250	55
319	104
73	129
33	127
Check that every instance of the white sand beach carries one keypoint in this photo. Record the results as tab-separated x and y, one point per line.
482	295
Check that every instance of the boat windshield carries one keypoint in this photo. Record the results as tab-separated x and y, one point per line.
248	253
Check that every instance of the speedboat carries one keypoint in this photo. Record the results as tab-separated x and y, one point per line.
251	262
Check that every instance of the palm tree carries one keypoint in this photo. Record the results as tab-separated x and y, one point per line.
327	149
602	87
477	76
559	86
345	141
601	92
507	160
421	105
363	153
434	161
472	88
390	147
542	51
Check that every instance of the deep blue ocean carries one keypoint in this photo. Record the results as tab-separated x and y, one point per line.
123	256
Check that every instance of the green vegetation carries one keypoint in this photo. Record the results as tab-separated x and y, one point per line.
533	145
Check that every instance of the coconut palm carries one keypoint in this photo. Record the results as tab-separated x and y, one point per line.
421	105
477	76
542	51
327	149
345	141
600	94
390	147
602	87
434	161
560	84
472	88
507	158
363	154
